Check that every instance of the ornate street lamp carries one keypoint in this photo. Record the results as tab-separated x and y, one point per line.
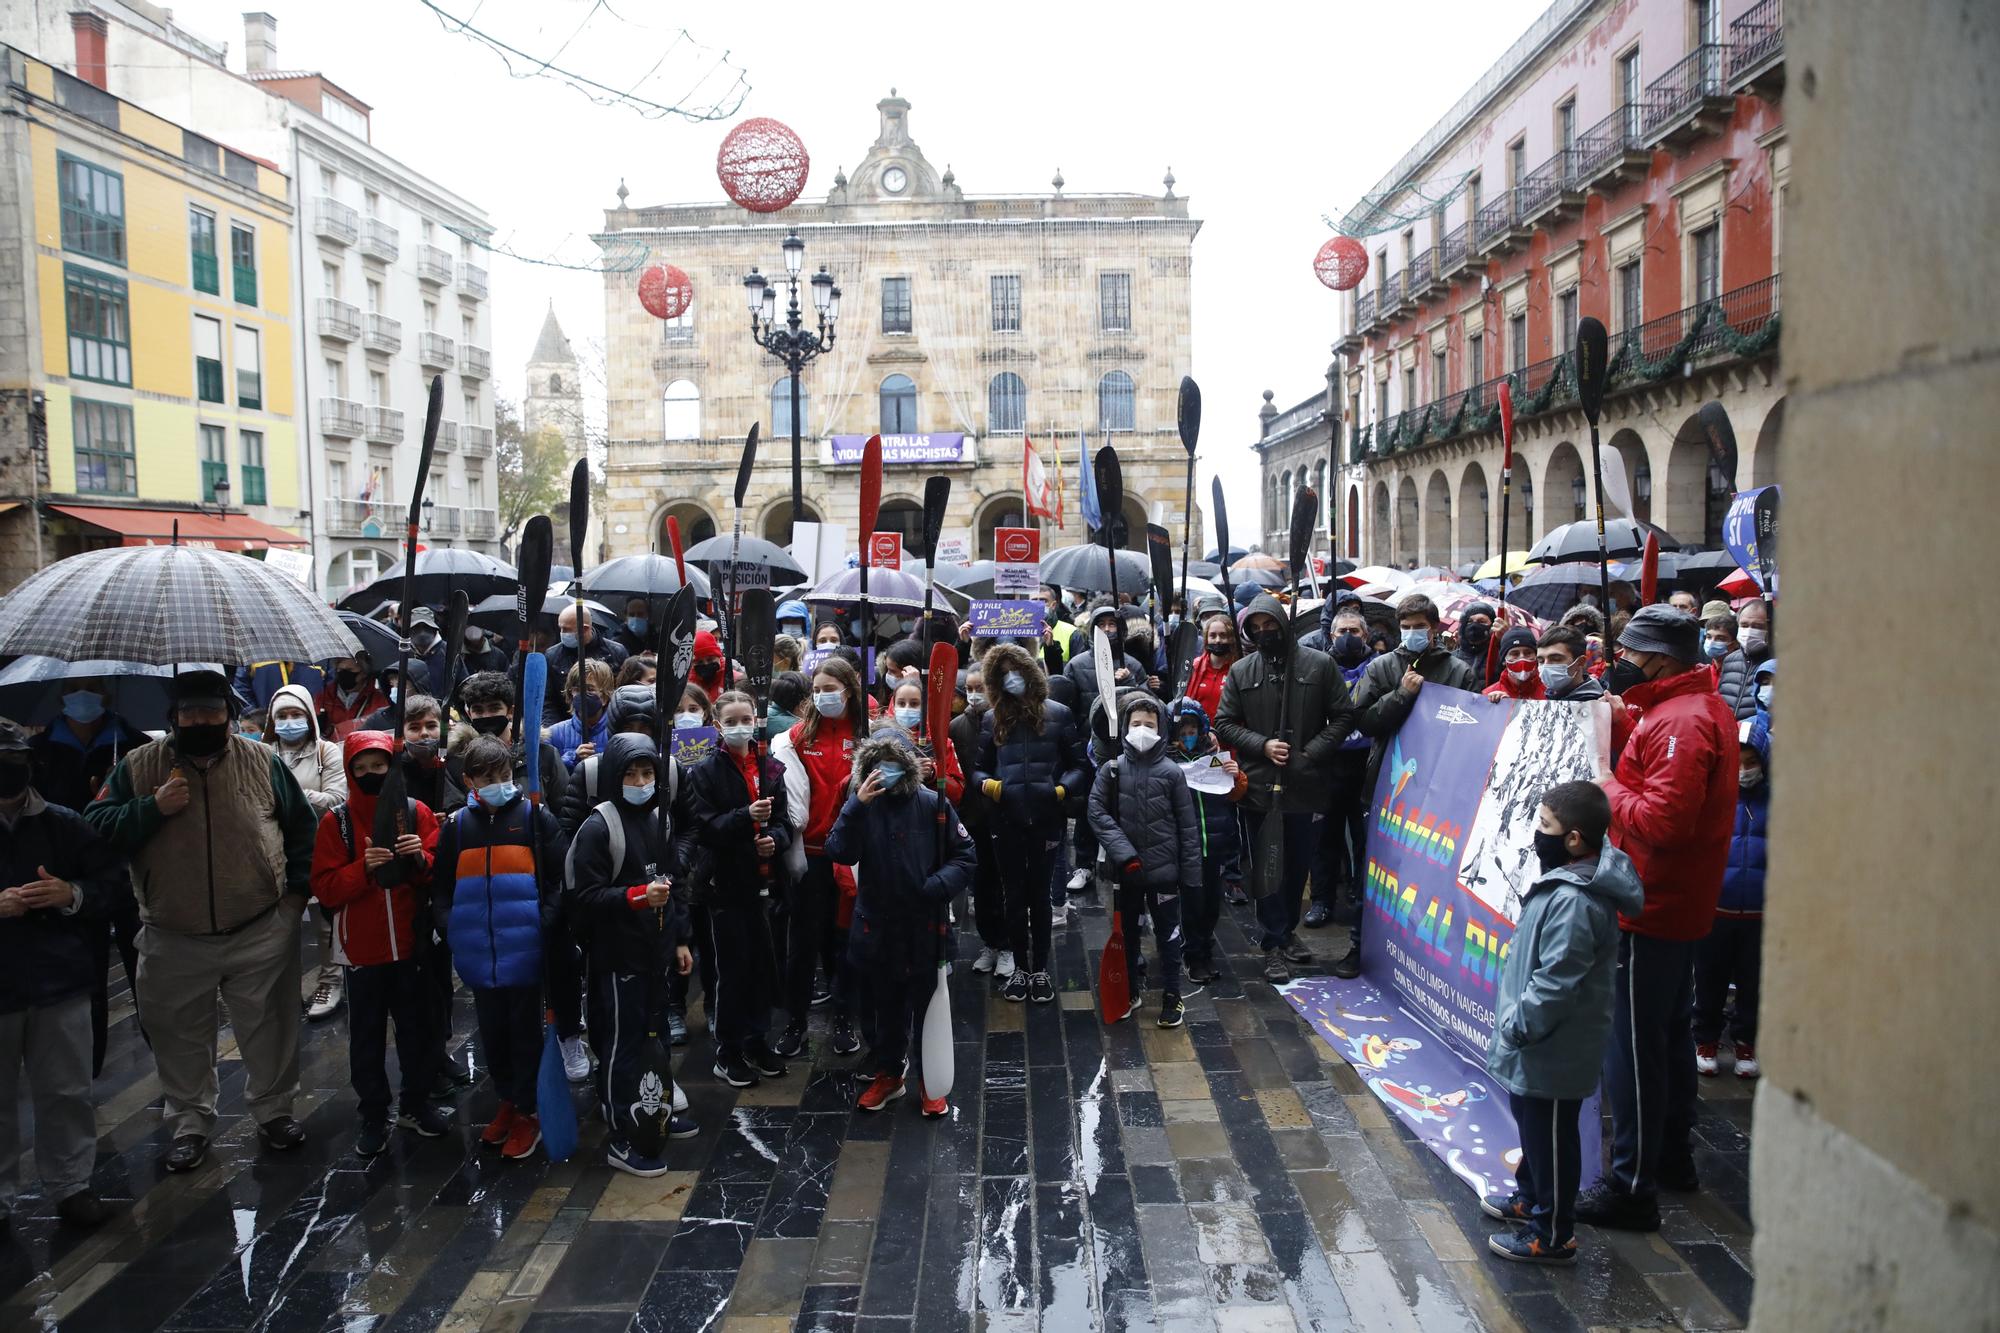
790	341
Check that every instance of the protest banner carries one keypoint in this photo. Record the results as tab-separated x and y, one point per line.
955	547
1017	561
1750	532
691	745
1008	619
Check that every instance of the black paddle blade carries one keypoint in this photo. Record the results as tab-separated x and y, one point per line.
743	469
641	1093
1110	494
1593	350
1721	435
534	558
579	513
1188	416
391	808
1305	514
937	497
433	414
1221	529
1160	549
455	616
1268	862
675	647
1180	657
756	629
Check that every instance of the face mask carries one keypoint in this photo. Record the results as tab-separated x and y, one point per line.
1716	649
1555	677
740	735
637	624
640	795
200	742
395	694
496	794
423	638
1218	651
1625	674
1014	683
975	699
1521	670
423	753
1749	777
294	729
1755	641
370	783
908	626
890	774
345	681
829	703
1142	739
686	721
1416	640
569	640
589	705
1474	635
83	706
1349	649
1549	849
1191	744
491	726
1764	697
13	780
908	718
1272	643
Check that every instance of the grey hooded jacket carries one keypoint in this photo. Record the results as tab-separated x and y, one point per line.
1141	809
1315	722
1553	1007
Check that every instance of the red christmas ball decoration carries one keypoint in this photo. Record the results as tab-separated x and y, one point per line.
1341	263
762	165
665	291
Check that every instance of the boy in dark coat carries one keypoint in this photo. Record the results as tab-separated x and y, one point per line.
625	902
1734	949
1221	836
1144	817
913	857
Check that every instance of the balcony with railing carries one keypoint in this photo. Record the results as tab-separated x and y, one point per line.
1421	278
1365	308
478	442
385	426
379	333
482	525
338	320
1498	229
380	241
1757	48
447	441
445	520
436	351
1393	298
1690	100
471	281
434	265
475	363
1551	192
361	518
1612	151
335	221
340	418
1454	250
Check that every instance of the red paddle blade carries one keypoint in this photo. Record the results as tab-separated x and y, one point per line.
940	683
1649	575
674	540
1506	424
1114	987
871	486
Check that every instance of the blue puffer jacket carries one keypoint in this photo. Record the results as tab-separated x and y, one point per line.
495	911
1743	878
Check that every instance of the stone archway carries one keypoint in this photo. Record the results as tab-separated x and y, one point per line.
1562	502
1475	516
1379	527
1437	521
1766	463
697	524
1353	533
1697	494
776	525
1638	475
1407	517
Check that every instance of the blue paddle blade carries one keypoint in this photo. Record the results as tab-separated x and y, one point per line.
534	687
552	1097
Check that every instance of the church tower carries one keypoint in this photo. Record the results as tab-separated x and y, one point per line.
554	398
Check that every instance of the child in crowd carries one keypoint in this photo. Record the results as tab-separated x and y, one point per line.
1733	951
1221	843
499	859
1553	1012
989	901
1144	817
374	894
1520	676
906	705
583	733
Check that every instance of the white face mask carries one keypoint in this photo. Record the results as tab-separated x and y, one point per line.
974	699
1142	738
908	716
686	721
739	736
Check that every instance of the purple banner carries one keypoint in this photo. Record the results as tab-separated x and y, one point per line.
943	447
1008	620
691	745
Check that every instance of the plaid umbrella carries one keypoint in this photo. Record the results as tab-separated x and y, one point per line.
168	604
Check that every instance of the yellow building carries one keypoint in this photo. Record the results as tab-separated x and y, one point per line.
146	373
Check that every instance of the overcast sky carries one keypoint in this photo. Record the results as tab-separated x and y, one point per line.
1270	115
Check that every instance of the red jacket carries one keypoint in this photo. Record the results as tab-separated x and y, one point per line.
1205	684
1509	688
340	719
829	763
1673	802
375	924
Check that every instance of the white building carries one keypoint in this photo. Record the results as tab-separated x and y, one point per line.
389	272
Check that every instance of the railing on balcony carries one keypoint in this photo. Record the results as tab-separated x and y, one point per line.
445	520
1686	88
385	425
1454	250
478	442
1496	220
433	265
434	349
338	320
1757	42
1613	146
379	333
1552	183
362	518
472	281
340	418
380	240
1364	311
482	524
1392	293
1417	277
475	363
447	441
335	221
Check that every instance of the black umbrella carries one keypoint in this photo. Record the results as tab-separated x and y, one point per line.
1623	539
1083	568
1214	555
714	552
439	572
1553	589
974	580
654	577
377	639
31	688
499	613
1719	563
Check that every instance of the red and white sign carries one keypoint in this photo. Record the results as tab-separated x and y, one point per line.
885	550
1017	560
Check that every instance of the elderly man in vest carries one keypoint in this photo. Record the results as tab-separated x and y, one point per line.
220	839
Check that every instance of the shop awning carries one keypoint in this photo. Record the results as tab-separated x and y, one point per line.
155	527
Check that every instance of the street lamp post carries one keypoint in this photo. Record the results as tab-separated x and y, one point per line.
791	342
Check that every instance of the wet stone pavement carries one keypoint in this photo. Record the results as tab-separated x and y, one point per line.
1233	1174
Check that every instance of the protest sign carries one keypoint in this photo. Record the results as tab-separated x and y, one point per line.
1008	619
691	745
1017	561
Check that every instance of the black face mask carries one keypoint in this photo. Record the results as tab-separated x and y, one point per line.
1273	643
1218	651
424	754
1349	649
1474	635
423	639
1624	675
13	780
371	784
202	741
345	681
1549	850
491	726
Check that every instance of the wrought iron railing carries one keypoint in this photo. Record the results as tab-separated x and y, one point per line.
1392	292
1454	248
1364	311
1682	89
1540	187
1757	38
1605	142
1417	277
1494	218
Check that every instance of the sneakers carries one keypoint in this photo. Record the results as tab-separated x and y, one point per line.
680	1101
792	1041
1171	1011
844	1040
1040	989
496	1133
1603	1206
822	996
1316	916
986	960
1003	966
282	1133
1233	894
83	1210
1295	951
1016	988
933	1107
1527	1247
1059	915
619	1156
575	1058
1746	1061
373	1140
189	1151
885	1089
425	1119
326	996
522	1138
1079	881
1513	1208
682	1127
734	1070
760	1058
1705	1062
1276	970
677	1028
1202	971
1348	965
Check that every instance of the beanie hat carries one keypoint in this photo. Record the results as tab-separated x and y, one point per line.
1662	629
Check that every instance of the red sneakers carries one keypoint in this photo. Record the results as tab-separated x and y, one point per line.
496	1133
885	1089
932	1106
522	1138
1705	1062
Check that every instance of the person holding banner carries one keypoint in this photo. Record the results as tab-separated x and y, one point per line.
1221	833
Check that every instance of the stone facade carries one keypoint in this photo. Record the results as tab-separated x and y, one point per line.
1076	295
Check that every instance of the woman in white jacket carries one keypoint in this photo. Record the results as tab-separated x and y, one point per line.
316	763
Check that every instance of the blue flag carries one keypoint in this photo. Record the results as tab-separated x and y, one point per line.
1087	488
559	1127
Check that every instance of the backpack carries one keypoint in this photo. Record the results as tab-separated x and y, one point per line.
614	825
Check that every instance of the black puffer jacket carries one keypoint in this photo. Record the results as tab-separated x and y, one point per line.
718	801
1141	809
1316	721
973	807
1736	682
617	935
1031	761
45	954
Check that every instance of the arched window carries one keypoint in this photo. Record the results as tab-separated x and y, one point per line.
1114	401
681	411
781	409
555	384
1319	488
1006	404
899	405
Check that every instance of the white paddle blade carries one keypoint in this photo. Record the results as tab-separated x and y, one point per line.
937	1053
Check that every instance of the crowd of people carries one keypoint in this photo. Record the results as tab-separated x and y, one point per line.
832	845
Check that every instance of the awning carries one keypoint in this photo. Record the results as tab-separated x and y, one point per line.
155	527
